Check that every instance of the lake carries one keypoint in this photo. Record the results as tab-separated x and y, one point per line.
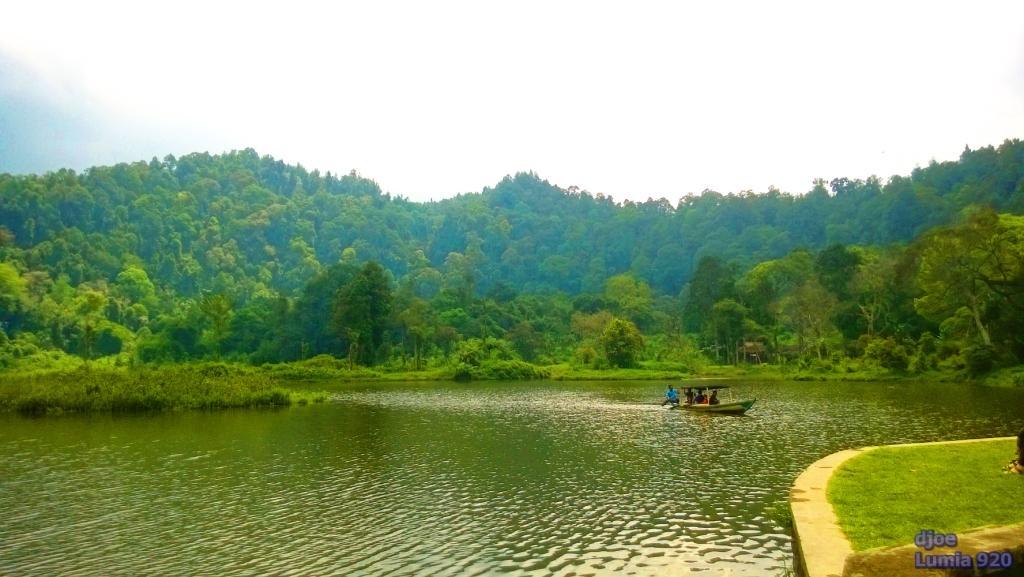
450	479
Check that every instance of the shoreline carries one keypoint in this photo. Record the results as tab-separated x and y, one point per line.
106	387
337	370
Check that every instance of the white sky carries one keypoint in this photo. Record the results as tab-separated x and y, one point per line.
633	99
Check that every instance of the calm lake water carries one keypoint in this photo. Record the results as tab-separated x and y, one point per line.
447	479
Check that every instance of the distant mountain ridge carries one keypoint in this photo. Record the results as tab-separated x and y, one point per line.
243	224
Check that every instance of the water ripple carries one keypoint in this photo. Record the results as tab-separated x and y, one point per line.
517	480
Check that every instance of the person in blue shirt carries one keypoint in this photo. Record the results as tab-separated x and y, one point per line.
671	396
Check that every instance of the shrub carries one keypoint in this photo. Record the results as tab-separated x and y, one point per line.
214	370
927	344
919	363
823	365
979	359
947	348
622	343
475	352
111	338
324	362
954	362
888	354
856	348
510	370
585	355
34	405
274	397
463	372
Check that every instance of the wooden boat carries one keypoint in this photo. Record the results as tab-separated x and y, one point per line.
729	407
735	408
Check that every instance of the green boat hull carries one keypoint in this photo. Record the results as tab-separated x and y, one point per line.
736	408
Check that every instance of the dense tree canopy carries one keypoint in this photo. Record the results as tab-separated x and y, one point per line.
245	257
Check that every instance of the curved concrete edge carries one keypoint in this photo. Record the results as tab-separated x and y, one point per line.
824	548
820	546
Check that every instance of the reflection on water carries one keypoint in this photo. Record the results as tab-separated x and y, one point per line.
443	479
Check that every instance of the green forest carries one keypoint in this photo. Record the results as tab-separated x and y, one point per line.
241	258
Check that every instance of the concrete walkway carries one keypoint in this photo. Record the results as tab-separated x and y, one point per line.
820	546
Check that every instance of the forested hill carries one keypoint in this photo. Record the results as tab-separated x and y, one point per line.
239	223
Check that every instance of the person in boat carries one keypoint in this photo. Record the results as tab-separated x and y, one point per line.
700	399
1017	465
714	398
671	396
689	395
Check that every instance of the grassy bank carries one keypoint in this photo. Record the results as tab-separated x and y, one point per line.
326	367
569	373
1005	378
793	372
886	496
70	384
123	390
336	370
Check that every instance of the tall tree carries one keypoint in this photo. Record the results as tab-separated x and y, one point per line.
765	285
810	309
713	281
726	326
361	310
872	287
835	267
13	293
977	266
90	308
632	297
311	321
217	310
416	318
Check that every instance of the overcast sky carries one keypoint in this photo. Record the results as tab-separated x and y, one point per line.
633	99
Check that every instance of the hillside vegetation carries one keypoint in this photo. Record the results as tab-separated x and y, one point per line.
244	258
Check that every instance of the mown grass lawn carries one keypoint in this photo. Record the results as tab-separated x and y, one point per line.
886	496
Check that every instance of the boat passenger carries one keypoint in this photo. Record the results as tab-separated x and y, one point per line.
1017	465
700	399
671	396
689	396
714	398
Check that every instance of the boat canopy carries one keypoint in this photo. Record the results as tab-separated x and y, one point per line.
706	387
